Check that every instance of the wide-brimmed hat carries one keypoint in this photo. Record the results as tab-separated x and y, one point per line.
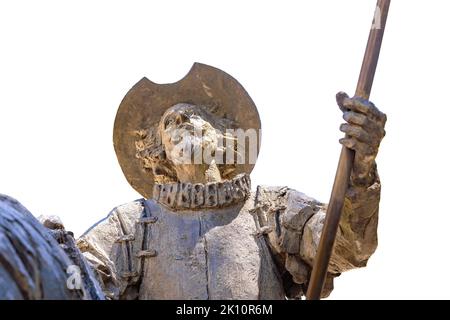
145	103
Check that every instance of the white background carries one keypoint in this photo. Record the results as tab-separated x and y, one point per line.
65	66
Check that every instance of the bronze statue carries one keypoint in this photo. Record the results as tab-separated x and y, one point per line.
200	232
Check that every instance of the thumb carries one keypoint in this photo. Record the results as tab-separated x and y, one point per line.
340	98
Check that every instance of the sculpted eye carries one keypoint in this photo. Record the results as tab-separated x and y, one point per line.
168	122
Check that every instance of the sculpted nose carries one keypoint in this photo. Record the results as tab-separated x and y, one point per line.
179	119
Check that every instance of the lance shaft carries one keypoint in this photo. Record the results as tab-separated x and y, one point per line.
342	179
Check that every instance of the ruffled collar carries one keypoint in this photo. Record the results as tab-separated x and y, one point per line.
196	196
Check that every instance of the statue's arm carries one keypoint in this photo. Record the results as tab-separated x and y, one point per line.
295	221
293	224
357	234
356	239
109	245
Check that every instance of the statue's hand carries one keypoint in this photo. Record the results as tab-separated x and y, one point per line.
365	129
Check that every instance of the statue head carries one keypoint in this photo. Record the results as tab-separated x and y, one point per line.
180	132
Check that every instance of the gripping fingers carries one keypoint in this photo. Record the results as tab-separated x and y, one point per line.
359	105
355	118
365	107
357	132
361	148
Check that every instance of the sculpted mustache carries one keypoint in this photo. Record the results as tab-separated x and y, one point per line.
187	130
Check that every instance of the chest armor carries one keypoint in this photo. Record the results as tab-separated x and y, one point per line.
210	254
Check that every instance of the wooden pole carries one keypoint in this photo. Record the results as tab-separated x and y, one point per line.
347	157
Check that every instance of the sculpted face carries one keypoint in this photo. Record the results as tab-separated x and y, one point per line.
188	134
